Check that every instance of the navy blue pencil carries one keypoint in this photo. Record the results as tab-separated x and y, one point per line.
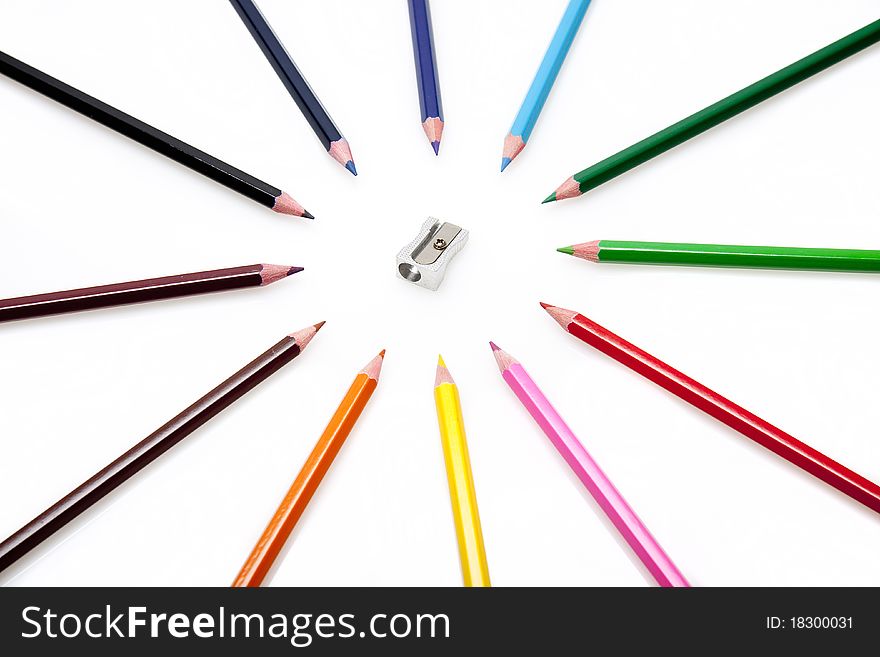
295	83
426	71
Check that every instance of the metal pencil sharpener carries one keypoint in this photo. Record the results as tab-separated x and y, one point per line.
424	260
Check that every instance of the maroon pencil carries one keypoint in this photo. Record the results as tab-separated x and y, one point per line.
154	445
150	289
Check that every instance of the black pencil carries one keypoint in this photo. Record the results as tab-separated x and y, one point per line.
151	137
153	446
295	83
150	289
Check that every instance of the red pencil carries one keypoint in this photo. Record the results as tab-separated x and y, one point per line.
724	410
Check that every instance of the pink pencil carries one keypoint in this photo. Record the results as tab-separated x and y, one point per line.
603	491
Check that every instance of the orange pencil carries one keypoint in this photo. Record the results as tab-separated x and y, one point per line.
309	478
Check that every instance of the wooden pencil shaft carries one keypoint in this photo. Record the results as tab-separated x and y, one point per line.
141	132
539	90
270	544
287	71
606	495
736	417
146	451
723	255
151	289
462	493
430	102
727	107
547	72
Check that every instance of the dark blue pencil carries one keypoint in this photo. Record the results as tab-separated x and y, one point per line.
426	71
296	84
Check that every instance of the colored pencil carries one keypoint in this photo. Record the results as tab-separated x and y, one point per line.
716	113
426	71
295	83
725	411
726	255
588	471
278	530
153	446
534	101
150	289
146	135
466	515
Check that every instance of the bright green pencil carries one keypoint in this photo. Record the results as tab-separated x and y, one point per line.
711	116
725	255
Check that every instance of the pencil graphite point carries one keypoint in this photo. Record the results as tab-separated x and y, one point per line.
567	250
504	359
340	151
271	273
571	188
443	375
586	251
285	204
513	145
433	127
374	367
561	315
305	335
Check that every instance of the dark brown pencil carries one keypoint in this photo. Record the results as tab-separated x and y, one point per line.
153	446
149	289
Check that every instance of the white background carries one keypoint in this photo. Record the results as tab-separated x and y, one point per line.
81	205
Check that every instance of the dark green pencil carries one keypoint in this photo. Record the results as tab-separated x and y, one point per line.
725	255
711	116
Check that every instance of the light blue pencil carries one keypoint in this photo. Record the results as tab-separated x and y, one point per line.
545	77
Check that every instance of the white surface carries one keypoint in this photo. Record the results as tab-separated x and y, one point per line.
81	205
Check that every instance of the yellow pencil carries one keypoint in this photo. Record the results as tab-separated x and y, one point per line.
474	568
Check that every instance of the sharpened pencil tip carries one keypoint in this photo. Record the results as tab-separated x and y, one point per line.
286	204
271	273
374	367
433	127
567	250
513	145
443	375
340	151
305	335
571	188
563	316
308	215
502	358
